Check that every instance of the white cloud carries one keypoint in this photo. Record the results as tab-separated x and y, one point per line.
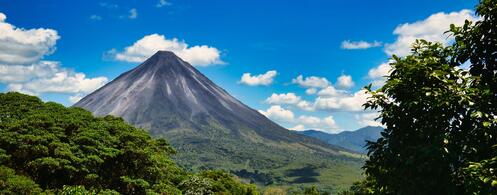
311	82
47	77
311	91
133	13
299	127
432	29
330	122
290	99
309	120
368	119
347	44
303	122
24	73
326	124
163	3
199	55
24	46
329	91
276	112
377	74
21	67
305	105
345	81
381	71
350	103
284	98
75	98
261	79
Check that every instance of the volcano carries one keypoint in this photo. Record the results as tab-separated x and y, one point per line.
210	128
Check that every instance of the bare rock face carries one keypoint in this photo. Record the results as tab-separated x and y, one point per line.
170	98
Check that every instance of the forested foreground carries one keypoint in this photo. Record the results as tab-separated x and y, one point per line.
48	148
440	118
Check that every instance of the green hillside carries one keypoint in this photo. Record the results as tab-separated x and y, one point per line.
270	166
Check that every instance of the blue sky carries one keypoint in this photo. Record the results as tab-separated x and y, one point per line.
292	38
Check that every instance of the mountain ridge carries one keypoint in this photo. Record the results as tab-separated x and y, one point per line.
352	140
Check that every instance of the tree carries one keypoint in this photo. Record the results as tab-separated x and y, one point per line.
420	105
441	121
476	44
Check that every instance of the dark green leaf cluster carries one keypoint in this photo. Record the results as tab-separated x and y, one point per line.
46	147
441	120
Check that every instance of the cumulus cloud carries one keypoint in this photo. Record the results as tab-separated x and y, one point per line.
21	67
345	81
47	77
133	13
261	79
347	44
24	46
311	82
162	3
381	71
199	55
75	98
328	99
276	112
302	122
305	105
290	99
309	120
326	124
329	91
378	74
368	119
432	29
284	98
351	103
311	91
24	73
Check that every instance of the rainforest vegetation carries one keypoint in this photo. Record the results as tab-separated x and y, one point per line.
440	117
48	148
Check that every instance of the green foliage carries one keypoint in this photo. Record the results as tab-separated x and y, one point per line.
197	186
441	124
76	190
219	182
476	43
224	183
48	147
10	183
419	103
311	191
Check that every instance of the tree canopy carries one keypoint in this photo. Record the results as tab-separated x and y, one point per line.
48	148
441	120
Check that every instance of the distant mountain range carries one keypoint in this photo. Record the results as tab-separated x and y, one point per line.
352	140
212	130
